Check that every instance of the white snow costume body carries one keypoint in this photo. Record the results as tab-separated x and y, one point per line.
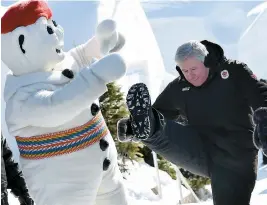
66	151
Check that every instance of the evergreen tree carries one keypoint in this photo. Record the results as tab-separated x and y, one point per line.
163	164
166	166
113	108
195	181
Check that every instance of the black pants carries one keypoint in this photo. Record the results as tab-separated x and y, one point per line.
183	146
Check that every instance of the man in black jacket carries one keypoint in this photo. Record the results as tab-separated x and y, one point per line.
202	121
12	178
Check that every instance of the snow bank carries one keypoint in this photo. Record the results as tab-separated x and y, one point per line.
142	178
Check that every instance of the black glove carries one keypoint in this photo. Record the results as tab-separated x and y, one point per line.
124	131
26	200
260	132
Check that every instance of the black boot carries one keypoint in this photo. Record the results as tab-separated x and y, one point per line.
139	105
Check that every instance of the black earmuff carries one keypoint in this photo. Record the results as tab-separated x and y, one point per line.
215	55
208	61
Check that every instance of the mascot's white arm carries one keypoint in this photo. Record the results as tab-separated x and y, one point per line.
85	53
46	108
106	39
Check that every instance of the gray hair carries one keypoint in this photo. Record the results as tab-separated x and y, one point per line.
191	49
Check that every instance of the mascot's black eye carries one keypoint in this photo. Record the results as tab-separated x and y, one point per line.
50	30
55	23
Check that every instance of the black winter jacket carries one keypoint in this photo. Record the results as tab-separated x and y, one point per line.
220	110
12	178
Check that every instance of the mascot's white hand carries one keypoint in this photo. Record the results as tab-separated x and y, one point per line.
110	68
109	38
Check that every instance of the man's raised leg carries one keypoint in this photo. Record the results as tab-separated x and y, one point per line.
179	144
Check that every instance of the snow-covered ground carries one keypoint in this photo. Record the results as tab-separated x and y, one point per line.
142	179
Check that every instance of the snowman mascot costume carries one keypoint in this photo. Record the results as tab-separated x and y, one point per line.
67	154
